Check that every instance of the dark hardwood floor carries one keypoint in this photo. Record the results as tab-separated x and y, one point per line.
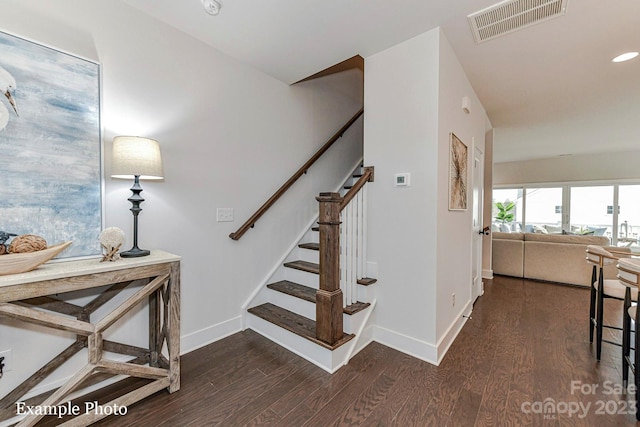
527	343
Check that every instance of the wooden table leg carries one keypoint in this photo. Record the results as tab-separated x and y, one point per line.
173	329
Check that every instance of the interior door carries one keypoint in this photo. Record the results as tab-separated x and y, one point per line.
477	288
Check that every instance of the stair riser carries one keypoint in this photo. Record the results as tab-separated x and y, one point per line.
302	277
262	297
326	359
352	323
366	293
311	237
307	255
291	303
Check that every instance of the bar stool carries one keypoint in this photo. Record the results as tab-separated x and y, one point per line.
601	289
629	275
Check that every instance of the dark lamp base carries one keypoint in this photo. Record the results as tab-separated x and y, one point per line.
135	252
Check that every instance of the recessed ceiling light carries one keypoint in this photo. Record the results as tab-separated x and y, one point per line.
625	57
211	6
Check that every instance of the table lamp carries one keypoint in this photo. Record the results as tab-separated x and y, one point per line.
138	158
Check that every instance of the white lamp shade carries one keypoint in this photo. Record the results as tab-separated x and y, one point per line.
134	155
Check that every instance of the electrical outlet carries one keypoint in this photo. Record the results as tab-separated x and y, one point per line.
225	214
7	360
453	299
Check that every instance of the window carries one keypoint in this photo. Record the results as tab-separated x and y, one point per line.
542	215
510	220
628	224
611	210
590	213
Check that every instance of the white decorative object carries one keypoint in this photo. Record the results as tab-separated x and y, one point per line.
111	239
27	261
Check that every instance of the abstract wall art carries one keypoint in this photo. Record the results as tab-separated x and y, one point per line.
457	174
50	145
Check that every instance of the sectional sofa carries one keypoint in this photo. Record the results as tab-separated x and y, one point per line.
548	257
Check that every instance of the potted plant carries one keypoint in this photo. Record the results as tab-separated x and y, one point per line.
505	211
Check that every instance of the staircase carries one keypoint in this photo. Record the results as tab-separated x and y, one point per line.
285	309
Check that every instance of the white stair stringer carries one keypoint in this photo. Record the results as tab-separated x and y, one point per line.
360	324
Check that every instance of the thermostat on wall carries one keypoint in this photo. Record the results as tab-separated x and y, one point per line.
402	179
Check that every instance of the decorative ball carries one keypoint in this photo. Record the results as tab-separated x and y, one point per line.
111	237
27	243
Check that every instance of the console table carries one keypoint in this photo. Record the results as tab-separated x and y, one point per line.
159	277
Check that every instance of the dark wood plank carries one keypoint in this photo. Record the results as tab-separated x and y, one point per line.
367	383
294	289
356	307
366	281
310	246
309	267
290	400
526	342
414	377
265	418
295	323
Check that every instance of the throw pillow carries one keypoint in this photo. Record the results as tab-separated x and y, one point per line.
541	230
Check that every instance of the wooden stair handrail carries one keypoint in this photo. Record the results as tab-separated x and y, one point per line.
265	207
367	176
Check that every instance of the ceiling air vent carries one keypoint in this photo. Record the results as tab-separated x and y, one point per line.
512	15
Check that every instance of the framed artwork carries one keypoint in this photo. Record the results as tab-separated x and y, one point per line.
50	140
457	174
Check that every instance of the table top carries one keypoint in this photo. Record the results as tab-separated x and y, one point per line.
58	269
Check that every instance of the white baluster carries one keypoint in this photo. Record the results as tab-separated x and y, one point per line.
352	250
343	256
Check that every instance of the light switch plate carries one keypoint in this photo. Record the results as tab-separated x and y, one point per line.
225	214
402	179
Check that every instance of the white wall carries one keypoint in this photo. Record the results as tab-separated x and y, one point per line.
230	136
591	167
400	133
454	228
413	94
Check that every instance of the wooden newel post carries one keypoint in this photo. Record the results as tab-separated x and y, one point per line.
329	296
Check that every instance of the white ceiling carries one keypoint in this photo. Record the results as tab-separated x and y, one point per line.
549	90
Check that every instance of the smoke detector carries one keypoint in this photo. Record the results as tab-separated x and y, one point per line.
512	15
212	7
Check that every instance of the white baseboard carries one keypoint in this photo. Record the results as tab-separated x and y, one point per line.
487	274
421	349
210	334
406	344
453	331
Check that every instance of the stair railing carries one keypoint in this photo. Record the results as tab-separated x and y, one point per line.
342	225
283	189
